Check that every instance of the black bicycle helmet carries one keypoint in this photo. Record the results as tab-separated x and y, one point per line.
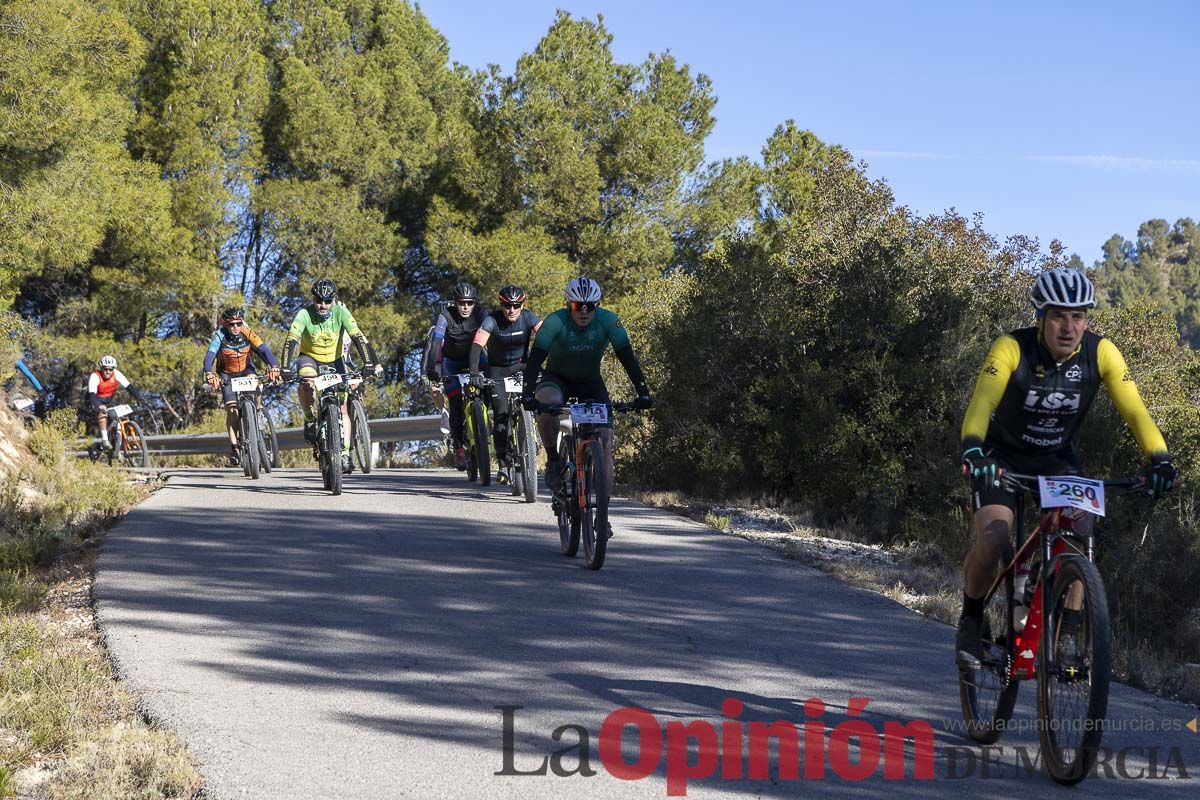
232	314
464	291
512	294
324	289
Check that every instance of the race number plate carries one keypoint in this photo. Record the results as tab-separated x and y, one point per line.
323	382
122	410
512	384
22	403
589	413
1068	491
249	383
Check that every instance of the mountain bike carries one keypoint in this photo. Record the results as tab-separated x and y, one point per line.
251	451
330	388
1048	620
522	443
360	429
125	435
477	430
580	503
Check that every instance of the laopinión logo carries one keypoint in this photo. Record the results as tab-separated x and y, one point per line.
734	749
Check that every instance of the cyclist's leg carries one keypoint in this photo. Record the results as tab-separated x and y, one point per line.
991	524
454	396
340	365
231	412
501	416
550	391
306	368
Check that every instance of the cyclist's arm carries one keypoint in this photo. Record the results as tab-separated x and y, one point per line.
262	348
634	370
433	355
92	399
293	337
533	368
479	343
210	357
1128	400
998	367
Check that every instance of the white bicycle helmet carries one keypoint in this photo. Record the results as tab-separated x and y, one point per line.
582	290
108	362
1063	287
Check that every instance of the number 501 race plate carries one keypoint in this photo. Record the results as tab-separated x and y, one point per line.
1067	491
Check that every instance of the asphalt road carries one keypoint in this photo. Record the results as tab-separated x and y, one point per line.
371	646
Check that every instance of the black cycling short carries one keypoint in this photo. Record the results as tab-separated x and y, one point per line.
1064	462
593	389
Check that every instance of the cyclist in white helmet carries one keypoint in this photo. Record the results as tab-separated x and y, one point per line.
572	342
102	386
1030	399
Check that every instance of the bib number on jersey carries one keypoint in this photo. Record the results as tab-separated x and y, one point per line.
1068	491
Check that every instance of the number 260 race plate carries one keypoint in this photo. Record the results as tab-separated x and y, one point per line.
1067	491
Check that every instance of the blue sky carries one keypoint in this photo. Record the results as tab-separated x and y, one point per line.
1065	120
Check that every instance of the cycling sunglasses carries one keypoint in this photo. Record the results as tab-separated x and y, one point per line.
588	307
511	306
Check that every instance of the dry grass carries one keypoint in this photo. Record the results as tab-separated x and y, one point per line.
68	729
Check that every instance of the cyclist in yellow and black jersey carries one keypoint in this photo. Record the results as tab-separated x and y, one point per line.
1030	400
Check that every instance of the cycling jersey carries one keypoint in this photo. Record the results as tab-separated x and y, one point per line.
230	352
1026	404
576	354
321	339
453	334
104	388
506	342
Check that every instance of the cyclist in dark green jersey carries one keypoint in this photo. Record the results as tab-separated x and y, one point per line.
572	342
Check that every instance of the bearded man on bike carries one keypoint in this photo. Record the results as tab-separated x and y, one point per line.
449	353
572	342
504	336
102	386
318	330
229	356
1030	400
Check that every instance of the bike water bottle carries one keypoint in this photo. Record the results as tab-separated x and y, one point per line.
1020	601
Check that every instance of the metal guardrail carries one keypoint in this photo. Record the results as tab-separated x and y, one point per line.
390	429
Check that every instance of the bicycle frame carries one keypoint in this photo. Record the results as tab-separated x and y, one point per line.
1056	536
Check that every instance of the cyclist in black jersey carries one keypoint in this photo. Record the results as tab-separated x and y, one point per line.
1032	394
448	354
504	337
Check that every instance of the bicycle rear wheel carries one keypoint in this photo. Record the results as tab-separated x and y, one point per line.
565	506
249	443
595	511
987	694
1073	676
361	432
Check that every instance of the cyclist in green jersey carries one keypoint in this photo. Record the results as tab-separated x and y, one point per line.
572	342
318	330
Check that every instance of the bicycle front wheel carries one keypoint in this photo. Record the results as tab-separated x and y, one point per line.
595	510
333	448
133	445
987	694
527	434
361	431
565	506
479	434
249	444
1073	672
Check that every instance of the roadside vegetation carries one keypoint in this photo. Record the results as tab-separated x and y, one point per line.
68	729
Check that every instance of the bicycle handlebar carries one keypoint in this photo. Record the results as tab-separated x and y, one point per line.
1014	481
